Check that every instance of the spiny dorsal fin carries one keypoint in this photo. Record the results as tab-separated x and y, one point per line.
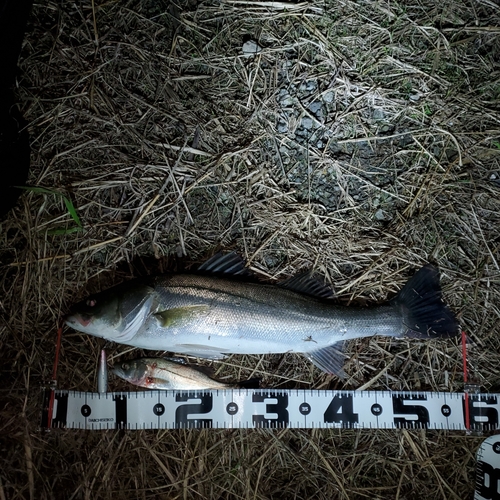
229	264
309	285
206	370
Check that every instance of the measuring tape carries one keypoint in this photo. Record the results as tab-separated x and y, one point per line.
271	408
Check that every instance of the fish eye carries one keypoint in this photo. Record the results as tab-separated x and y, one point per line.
91	302
125	366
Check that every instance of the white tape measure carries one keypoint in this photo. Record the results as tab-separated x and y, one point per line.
270	408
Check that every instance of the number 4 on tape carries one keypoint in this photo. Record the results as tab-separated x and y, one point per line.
488	470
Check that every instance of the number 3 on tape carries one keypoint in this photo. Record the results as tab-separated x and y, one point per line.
488	470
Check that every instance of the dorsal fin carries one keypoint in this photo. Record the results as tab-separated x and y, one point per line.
206	370
306	283
230	264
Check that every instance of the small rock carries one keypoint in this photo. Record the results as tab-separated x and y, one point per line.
386	128
311	85
379	214
328	97
315	107
378	114
319	145
282	127
288	100
306	123
251	48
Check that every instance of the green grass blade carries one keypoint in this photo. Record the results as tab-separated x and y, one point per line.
72	210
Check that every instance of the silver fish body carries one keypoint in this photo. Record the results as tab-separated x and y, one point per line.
218	316
209	316
165	374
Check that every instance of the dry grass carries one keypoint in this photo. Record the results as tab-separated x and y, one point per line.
165	137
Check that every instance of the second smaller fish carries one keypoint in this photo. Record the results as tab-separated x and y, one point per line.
162	373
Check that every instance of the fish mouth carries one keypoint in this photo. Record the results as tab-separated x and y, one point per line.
120	373
77	319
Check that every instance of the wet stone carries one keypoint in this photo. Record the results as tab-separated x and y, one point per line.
315	107
306	123
328	97
282	127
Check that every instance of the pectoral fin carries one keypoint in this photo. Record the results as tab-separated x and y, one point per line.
179	315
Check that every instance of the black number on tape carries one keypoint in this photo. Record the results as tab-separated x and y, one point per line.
487	481
401	407
496	447
86	410
340	411
279	408
446	410
376	409
183	412
482	417
305	408
158	409
232	408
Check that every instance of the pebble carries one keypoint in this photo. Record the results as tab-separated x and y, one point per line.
311	85
328	97
251	48
287	101
315	107
282	127
379	214
306	123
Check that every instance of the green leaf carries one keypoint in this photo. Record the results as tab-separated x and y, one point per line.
69	204
72	210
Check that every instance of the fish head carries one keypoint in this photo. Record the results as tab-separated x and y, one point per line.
136	371
115	314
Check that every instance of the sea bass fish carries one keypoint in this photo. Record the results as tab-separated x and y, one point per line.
210	315
162	373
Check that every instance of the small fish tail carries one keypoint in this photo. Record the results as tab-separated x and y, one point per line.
425	315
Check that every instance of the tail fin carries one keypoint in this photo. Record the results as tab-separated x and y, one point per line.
424	313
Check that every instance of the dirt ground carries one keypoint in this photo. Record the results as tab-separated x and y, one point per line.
360	139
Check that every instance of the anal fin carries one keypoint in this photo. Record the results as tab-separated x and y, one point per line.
329	359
